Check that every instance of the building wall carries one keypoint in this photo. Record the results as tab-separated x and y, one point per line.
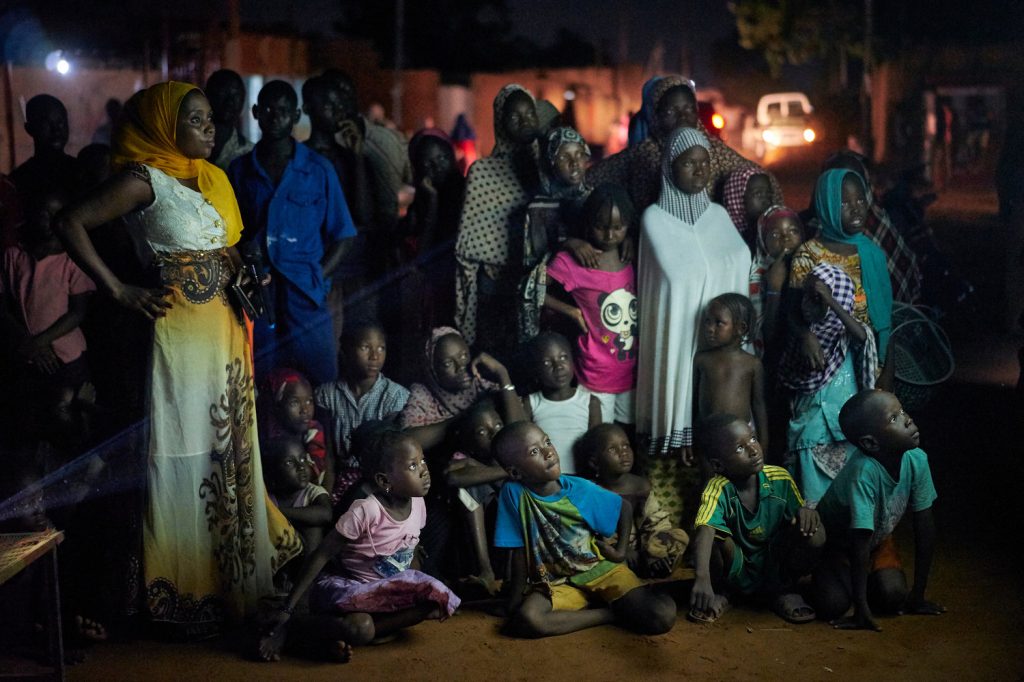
603	94
84	92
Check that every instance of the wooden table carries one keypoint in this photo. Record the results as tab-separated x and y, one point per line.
18	551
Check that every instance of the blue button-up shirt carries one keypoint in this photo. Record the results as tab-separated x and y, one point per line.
296	221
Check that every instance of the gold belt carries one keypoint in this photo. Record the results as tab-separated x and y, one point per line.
200	275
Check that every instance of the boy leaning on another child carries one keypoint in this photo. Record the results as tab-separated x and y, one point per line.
551	523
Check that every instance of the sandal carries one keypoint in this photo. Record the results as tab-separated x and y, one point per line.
709	616
792	608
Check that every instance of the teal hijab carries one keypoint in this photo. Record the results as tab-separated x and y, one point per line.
828	203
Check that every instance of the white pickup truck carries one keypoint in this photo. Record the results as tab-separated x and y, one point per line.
783	120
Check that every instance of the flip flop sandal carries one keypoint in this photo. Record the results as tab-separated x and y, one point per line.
707	617
793	609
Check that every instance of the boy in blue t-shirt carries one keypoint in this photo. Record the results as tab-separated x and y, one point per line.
862	508
553	524
754	535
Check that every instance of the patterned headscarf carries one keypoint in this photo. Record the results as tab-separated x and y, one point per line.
828	203
550	182
145	134
795	373
502	144
454	402
547	116
734	194
686	207
659	90
760	264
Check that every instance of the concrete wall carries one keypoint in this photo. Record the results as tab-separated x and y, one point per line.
84	92
603	94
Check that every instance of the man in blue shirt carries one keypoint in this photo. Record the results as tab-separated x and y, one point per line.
292	205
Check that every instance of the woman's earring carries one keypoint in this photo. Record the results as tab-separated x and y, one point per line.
387	489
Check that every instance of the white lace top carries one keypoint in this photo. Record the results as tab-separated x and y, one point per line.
179	219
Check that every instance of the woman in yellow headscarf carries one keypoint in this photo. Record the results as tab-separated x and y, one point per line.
211	539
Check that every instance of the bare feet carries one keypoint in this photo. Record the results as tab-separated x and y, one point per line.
487	581
88	630
273	637
339	652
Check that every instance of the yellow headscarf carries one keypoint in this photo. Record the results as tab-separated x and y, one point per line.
145	134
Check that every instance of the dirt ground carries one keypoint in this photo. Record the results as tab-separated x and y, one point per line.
971	432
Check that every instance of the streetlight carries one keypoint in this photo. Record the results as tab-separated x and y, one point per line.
56	61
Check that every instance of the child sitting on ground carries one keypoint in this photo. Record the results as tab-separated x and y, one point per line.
290	412
655	548
728	379
562	410
371	591
861	510
754	536
362	394
552	524
604	309
306	505
478	479
44	298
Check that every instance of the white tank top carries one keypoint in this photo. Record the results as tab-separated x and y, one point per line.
564	421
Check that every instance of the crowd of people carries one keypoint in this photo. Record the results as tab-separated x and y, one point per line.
594	362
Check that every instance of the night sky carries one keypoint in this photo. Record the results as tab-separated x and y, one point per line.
692	24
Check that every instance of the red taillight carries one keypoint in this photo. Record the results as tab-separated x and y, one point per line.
718	121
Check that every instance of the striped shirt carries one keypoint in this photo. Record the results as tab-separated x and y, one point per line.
778	502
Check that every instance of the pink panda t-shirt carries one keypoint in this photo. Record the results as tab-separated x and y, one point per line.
606	355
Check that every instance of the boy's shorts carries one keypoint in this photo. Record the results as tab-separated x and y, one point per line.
619	407
750	574
885	555
616	583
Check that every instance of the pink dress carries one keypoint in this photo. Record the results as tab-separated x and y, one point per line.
372	573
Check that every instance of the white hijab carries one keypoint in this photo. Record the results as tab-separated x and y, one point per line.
686	207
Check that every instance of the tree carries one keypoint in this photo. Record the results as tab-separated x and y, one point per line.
798	31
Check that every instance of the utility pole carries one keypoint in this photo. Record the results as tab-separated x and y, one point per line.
396	89
865	91
232	57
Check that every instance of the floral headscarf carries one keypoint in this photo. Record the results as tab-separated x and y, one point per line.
686	207
146	134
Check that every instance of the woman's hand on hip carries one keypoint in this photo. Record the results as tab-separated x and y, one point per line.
152	303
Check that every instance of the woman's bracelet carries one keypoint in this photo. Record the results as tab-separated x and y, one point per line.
769	292
287	609
508	387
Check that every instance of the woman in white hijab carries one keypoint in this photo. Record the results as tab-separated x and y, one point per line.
690	252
